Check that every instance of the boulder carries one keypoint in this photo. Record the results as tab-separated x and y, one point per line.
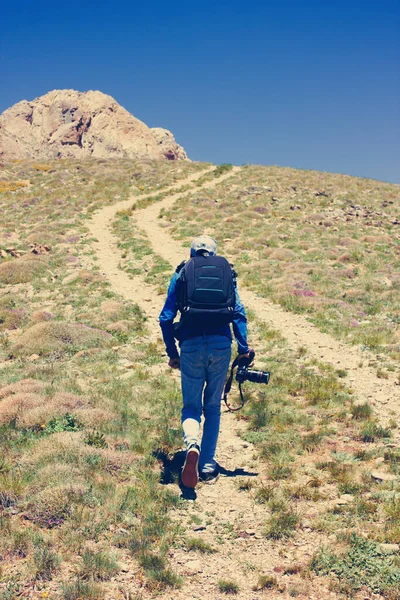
167	144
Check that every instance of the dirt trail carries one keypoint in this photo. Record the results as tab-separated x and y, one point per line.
109	256
360	365
222	510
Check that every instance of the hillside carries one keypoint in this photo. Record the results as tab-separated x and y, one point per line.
90	442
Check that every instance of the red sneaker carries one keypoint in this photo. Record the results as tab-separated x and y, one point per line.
190	472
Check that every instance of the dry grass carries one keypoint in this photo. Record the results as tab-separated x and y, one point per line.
33	410
12	186
58	337
24	386
10	318
317	243
81	436
76	457
22	269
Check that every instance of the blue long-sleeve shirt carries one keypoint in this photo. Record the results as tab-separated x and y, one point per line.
170	311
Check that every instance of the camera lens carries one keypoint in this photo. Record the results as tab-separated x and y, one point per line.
257	376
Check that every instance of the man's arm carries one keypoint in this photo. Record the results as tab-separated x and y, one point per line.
240	325
167	317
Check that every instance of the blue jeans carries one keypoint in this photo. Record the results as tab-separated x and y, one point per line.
204	365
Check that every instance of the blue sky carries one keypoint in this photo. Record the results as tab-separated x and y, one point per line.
311	85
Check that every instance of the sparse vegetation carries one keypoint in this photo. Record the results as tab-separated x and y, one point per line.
199	545
83	444
328	255
77	450
226	586
282	524
266	582
364	564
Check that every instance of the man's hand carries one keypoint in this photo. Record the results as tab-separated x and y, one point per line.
174	363
247	355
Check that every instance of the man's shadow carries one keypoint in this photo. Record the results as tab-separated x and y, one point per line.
172	468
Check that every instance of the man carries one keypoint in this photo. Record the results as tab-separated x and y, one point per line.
205	352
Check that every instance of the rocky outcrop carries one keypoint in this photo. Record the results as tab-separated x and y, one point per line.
167	144
71	124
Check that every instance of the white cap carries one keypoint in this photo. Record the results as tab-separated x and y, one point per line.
203	242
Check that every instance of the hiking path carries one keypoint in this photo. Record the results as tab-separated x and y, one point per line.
222	510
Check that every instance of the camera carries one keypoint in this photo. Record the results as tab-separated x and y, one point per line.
243	372
246	374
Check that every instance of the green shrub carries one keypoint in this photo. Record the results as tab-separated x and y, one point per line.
66	422
228	587
98	566
361	411
362	565
96	439
371	431
46	562
282	524
199	545
81	590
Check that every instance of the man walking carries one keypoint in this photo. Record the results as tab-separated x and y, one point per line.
204	291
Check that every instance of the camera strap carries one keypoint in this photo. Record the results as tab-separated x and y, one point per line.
228	386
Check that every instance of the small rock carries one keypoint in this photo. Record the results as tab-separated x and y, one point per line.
379	460
199	528
124	567
388	548
341	502
69	278
250	531
33	357
378	476
127	364
243	534
347	497
192	567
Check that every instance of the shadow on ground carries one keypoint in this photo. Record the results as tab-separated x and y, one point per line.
171	467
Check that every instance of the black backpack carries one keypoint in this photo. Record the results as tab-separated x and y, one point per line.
205	292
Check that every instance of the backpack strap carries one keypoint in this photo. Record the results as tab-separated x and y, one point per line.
234	276
180	266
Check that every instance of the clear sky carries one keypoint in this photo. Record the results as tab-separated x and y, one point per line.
306	84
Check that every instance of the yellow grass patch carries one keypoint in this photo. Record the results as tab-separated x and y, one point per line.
12	186
41	167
